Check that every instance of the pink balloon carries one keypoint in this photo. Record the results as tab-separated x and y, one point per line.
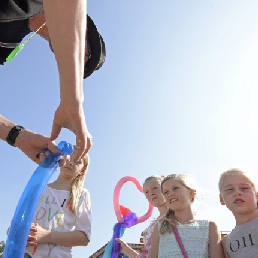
116	195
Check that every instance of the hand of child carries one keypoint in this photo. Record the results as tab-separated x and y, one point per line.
32	240
126	249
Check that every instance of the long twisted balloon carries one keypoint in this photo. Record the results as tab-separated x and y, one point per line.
23	216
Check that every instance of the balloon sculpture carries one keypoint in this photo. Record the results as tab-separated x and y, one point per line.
23	216
125	218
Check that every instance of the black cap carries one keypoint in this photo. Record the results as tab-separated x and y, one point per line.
97	49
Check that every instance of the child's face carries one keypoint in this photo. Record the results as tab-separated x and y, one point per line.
177	196
152	191
71	168
238	194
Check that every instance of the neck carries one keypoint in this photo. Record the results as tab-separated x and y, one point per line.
162	209
37	21
242	219
62	183
184	216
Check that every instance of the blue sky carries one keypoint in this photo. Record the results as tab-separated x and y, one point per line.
177	94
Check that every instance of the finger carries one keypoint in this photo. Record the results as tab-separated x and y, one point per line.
56	129
81	144
53	148
83	148
120	241
32	243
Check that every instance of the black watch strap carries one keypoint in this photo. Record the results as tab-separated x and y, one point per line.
12	135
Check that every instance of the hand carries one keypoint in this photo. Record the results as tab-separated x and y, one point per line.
32	239
72	118
32	144
126	249
37	235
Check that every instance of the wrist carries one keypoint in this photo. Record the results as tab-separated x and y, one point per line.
45	237
13	134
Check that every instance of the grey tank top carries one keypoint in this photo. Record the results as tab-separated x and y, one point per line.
243	241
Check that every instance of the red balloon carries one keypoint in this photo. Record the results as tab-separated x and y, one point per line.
124	210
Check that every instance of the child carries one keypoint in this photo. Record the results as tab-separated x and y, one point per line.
152	192
63	216
239	193
179	233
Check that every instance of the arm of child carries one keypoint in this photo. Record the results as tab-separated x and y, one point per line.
126	249
224	246
154	250
71	238
215	248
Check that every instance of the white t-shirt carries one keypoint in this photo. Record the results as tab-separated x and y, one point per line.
53	214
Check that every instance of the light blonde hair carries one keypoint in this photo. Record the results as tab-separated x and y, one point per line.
77	184
237	171
154	177
168	221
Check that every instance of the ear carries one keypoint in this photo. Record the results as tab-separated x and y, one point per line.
221	200
192	194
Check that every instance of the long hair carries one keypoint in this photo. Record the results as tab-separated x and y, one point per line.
77	185
168	221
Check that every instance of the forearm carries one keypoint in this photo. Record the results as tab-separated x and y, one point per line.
5	127
72	238
66	21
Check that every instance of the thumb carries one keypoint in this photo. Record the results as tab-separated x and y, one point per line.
56	129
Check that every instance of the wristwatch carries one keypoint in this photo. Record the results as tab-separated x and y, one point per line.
13	133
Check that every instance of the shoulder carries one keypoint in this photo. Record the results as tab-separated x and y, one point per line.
85	198
212	225
85	192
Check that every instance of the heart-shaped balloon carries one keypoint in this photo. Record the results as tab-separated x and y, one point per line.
119	185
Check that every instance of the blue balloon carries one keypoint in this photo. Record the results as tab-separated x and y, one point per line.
23	216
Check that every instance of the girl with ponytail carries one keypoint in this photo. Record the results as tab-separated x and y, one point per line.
179	233
63	216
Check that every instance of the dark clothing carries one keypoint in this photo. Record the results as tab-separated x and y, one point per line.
14	17
12	32
11	10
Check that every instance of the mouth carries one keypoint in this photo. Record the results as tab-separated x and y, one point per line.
239	200
68	168
172	200
154	198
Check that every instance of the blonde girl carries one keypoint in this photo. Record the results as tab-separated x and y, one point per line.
238	191
152	192
63	216
179	233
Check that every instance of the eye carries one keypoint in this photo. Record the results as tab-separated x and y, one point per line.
146	192
155	187
175	188
165	192
229	189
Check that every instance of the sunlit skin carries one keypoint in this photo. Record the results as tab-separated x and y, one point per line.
152	192
36	21
179	199
240	197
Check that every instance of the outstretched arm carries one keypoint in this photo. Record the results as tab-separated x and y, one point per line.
126	249
66	21
27	141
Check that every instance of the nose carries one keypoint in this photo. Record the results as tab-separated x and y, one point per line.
238	192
